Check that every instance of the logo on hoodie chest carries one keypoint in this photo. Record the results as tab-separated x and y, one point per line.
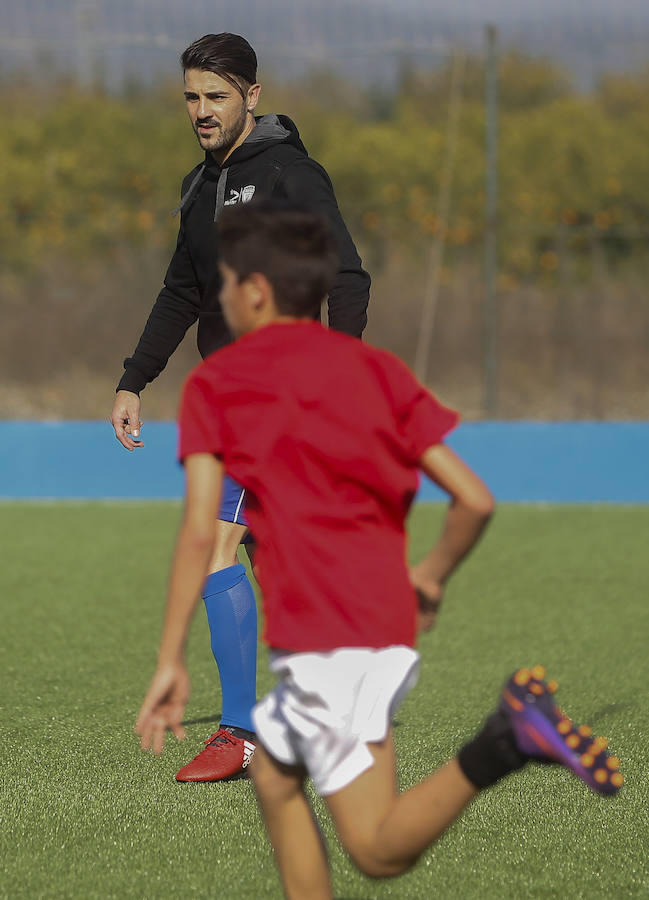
243	195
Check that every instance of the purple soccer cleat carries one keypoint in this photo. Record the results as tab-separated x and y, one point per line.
544	732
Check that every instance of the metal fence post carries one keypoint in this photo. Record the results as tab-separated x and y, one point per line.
490	312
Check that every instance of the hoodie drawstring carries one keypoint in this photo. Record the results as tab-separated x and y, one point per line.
190	190
220	192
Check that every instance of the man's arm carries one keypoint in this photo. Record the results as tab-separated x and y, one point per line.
164	704
175	309
306	182
471	506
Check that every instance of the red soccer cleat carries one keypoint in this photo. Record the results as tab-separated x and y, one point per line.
225	756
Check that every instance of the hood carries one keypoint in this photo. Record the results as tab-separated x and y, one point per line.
269	130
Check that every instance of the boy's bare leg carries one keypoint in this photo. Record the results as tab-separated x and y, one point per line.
384	831
299	848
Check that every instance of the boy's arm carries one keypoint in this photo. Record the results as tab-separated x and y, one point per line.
471	506
164	704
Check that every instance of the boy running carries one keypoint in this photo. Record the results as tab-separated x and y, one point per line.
327	436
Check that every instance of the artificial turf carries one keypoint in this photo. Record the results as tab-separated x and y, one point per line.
85	814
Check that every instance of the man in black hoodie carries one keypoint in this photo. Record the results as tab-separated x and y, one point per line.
245	158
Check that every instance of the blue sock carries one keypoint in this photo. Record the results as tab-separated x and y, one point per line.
232	616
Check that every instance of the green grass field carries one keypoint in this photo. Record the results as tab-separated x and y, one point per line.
85	814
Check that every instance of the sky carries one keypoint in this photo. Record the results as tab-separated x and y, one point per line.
364	38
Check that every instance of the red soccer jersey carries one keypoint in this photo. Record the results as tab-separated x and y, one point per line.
325	433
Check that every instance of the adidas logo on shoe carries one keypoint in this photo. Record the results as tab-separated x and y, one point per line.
248	753
225	756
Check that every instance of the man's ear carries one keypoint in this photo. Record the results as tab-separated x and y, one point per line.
252	97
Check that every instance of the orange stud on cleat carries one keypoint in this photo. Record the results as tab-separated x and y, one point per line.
552	685
522	676
537	688
613	762
587	760
564	726
597	746
585	730
573	741
538	672
600	776
617	779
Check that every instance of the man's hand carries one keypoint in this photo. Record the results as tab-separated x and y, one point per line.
163	707
429	599
125	419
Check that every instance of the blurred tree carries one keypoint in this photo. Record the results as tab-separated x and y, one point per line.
93	172
622	96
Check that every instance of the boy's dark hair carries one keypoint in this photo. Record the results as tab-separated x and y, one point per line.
225	54
292	247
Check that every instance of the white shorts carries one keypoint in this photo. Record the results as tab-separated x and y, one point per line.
327	707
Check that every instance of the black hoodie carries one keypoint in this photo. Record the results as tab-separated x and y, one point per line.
272	161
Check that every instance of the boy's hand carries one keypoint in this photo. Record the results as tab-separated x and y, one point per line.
429	599
163	707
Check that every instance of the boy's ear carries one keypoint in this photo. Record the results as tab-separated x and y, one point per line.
259	291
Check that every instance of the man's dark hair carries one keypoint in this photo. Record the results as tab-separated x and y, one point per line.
225	54
292	247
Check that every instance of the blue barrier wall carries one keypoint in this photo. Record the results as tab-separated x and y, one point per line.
558	462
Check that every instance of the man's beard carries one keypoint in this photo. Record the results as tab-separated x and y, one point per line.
223	138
